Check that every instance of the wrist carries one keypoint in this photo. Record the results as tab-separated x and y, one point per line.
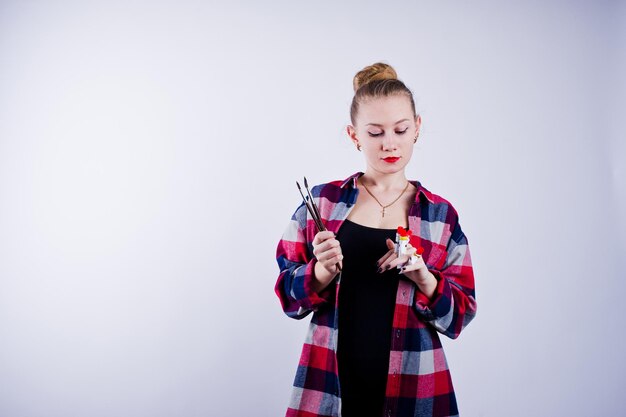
424	276
426	282
321	277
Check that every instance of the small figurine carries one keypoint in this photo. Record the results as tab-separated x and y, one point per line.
403	238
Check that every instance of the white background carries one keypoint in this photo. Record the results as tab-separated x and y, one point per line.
148	154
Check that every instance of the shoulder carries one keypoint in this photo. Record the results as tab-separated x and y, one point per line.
440	208
336	190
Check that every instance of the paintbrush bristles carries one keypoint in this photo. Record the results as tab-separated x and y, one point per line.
314	216
313	205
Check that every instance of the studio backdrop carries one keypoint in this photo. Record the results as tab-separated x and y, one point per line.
148	159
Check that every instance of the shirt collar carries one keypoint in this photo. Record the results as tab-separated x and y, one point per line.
351	180
421	191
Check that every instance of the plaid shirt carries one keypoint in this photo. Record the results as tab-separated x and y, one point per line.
419	381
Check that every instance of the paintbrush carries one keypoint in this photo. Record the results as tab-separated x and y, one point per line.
313	210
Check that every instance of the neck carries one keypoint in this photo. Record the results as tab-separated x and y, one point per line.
384	182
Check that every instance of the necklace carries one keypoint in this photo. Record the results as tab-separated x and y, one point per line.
379	203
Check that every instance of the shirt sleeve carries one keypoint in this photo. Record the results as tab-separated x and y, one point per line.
453	305
297	263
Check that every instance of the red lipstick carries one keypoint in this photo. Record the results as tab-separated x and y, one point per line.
391	159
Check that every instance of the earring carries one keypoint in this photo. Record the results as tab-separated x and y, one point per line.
358	147
416	136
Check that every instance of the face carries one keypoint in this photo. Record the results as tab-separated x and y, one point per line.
385	128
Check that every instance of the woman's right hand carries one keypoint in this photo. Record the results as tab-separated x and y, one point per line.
327	250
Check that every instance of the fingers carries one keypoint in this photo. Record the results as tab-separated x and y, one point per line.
400	260
386	256
322	236
327	250
419	264
392	260
386	261
414	262
326	246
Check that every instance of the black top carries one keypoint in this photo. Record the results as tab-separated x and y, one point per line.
366	306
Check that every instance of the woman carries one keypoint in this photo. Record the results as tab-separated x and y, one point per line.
373	347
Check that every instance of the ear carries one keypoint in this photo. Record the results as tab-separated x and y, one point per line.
418	124
352	134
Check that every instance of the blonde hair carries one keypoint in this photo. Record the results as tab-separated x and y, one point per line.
377	80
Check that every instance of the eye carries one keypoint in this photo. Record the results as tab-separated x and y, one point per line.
372	134
402	132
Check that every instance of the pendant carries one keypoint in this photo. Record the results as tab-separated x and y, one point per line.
383	212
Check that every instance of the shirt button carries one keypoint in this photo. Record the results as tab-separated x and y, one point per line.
398	333
403	293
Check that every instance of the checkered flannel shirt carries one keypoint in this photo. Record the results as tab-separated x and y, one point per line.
418	381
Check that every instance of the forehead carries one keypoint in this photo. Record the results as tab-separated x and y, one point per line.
385	111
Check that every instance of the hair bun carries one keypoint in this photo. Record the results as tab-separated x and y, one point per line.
374	72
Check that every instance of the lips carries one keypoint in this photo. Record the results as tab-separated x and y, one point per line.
391	159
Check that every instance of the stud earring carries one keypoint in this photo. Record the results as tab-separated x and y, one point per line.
358	147
416	136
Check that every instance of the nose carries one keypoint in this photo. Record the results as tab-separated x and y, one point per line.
389	143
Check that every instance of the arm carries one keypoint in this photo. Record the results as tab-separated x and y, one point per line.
453	304
297	287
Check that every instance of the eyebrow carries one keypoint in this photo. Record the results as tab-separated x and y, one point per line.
379	125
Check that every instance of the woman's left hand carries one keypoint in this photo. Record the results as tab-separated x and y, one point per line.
417	272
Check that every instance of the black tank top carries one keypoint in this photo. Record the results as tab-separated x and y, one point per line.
366	306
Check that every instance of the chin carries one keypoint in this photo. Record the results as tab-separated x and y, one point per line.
392	169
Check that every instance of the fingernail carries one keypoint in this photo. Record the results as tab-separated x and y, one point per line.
379	270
